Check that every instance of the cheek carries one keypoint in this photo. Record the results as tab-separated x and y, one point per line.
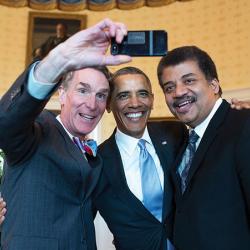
102	108
167	99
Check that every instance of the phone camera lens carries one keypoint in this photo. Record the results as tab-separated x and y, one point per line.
114	49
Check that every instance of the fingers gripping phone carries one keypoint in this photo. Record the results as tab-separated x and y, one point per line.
141	43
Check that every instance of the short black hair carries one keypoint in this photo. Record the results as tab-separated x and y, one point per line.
126	71
186	53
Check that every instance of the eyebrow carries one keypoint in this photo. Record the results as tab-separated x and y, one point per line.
86	85
187	75
182	77
122	92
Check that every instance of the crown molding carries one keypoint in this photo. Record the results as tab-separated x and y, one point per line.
241	94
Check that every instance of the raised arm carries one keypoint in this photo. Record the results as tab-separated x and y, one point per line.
85	48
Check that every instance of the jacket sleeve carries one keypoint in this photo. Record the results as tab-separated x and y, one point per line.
18	130
242	162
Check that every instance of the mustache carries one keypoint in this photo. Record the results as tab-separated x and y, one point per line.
180	100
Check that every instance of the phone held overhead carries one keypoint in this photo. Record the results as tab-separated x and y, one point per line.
142	43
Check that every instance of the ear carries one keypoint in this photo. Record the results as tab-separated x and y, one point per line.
61	93
215	86
108	105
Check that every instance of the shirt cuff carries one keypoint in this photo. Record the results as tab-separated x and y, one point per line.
39	90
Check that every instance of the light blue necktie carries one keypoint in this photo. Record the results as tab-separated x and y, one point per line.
151	186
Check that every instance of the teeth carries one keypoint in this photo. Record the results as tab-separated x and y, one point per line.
134	115
87	116
184	103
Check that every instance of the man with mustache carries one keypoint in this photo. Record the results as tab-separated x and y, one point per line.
212	173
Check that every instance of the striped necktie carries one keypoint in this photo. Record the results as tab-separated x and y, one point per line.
187	159
86	146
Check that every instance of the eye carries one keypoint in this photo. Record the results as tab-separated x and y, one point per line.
168	88
190	81
143	94
82	90
102	96
122	96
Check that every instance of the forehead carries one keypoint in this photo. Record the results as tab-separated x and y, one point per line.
95	79
131	82
182	69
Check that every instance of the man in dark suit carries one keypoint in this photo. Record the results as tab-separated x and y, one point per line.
119	196
47	180
212	184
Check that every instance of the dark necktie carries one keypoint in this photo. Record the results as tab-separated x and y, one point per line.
151	186
187	159
86	146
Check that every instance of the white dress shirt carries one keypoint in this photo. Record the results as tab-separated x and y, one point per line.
201	128
130	152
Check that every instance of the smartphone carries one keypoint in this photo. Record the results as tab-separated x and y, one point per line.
141	43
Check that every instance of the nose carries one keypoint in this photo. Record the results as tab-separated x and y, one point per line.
134	101
91	102
180	90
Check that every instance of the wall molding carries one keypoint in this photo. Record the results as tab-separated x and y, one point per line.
241	94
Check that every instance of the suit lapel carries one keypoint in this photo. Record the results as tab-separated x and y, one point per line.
115	173
174	170
207	139
89	170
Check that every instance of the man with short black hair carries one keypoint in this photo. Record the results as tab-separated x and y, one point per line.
212	173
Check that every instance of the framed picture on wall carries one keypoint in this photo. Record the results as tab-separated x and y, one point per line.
47	30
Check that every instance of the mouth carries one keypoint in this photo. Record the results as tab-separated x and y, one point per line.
87	117
134	115
183	105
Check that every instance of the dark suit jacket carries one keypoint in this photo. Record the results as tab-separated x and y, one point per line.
47	182
214	211
133	226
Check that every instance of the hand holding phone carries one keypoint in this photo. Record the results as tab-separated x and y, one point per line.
141	43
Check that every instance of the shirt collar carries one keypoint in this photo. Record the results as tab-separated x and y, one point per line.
200	129
129	143
60	121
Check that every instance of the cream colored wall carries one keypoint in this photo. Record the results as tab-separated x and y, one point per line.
221	27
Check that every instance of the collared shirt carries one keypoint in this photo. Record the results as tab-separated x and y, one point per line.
130	152
69	134
59	119
201	128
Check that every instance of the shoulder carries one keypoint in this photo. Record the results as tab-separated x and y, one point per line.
107	144
170	127
174	132
238	118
